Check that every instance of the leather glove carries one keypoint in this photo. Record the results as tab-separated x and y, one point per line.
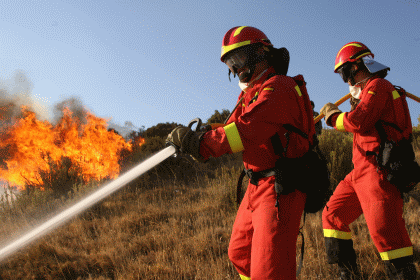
187	141
328	111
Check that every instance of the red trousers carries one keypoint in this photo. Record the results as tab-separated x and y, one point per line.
263	241
366	191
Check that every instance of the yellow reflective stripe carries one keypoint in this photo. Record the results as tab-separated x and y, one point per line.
337	234
348	45
256	94
372	92
338	65
226	49
233	137
339	124
363	54
244	277
238	30
298	90
243	104
397	253
395	94
268	88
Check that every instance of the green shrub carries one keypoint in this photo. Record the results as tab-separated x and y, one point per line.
337	147
218	117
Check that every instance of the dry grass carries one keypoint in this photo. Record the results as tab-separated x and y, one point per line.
171	232
168	232
163	231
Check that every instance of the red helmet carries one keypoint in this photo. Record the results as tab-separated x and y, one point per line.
240	36
350	53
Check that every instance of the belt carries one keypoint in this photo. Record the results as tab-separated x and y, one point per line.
256	176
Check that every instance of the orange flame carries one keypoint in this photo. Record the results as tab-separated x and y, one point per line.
30	143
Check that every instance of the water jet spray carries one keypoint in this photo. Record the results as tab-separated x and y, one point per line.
86	203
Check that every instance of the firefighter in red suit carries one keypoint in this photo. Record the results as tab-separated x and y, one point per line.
365	189
264	235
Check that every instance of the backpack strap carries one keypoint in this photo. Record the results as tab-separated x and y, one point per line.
278	146
379	125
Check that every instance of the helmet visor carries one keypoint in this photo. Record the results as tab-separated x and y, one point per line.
372	65
236	60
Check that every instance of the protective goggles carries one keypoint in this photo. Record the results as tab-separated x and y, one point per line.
345	72
236	60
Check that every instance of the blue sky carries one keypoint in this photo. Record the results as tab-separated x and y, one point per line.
150	62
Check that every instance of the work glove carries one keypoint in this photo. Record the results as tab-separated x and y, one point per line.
187	141
328	111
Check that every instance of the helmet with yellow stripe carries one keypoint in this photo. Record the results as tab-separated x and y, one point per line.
351	52
241	36
242	49
357	53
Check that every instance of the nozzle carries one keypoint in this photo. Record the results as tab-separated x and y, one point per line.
177	150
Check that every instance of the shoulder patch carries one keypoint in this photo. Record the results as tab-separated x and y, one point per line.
395	94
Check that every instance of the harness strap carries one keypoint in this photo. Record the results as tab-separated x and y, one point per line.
276	142
239	187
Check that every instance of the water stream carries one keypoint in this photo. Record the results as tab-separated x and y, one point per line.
85	203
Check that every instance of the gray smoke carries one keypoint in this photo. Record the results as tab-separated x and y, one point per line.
74	105
15	92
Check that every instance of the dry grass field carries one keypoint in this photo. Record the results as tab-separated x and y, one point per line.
168	230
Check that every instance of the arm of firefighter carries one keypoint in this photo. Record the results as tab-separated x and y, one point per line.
258	122
367	113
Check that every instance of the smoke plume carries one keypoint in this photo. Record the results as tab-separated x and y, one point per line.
15	93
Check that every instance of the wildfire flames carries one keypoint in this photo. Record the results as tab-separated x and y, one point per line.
30	145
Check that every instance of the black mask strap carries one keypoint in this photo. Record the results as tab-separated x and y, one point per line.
234	75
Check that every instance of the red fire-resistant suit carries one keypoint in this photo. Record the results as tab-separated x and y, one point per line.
365	189
263	241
